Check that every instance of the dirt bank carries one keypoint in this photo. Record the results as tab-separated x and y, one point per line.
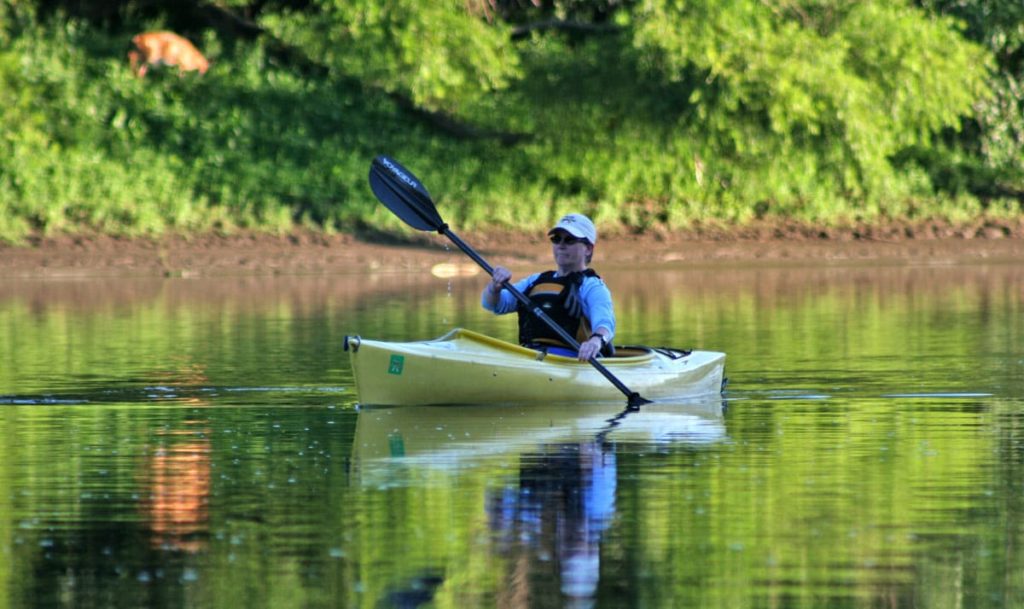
309	252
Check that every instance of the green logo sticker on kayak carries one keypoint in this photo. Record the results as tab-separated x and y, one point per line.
397	362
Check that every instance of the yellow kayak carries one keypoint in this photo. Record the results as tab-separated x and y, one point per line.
465	367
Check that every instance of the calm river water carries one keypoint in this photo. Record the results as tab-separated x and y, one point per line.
196	443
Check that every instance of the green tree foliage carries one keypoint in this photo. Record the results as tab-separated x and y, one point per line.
999	26
436	53
640	112
855	82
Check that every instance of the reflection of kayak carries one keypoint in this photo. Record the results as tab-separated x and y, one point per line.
443	435
464	367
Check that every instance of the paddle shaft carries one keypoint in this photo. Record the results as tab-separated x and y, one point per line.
633	397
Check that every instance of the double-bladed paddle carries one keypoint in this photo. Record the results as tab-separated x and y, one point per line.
403	193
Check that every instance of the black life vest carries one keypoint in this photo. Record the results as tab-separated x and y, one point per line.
559	298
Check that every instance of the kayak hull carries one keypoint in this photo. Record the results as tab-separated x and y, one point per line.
465	367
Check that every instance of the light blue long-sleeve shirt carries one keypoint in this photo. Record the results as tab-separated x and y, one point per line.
594	296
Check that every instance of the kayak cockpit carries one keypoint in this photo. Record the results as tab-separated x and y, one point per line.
464	339
469	341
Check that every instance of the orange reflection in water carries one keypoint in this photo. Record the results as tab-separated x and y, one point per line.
179	483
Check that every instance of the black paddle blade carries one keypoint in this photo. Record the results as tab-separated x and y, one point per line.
402	192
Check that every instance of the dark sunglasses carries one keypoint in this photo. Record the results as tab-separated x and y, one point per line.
566	239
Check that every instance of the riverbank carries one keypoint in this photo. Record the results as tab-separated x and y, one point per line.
306	252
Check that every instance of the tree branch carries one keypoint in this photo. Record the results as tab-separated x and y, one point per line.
455	127
522	31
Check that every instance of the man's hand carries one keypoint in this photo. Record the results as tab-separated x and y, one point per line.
590	347
499	276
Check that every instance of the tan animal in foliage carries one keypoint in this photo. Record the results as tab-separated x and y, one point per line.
165	49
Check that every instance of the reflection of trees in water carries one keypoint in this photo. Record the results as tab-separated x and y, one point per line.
414	593
550	524
776	285
115	522
182	381
299	295
306	296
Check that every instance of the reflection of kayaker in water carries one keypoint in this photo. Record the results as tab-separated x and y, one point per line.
574	296
564	502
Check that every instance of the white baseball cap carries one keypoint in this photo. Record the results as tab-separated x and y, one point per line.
578	226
